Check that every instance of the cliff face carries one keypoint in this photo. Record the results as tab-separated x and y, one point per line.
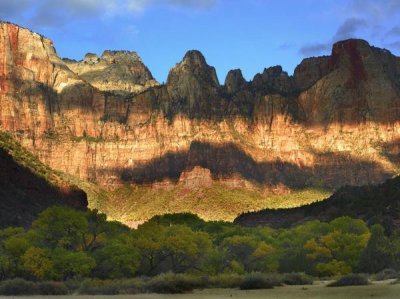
335	122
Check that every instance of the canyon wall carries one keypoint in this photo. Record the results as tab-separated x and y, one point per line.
336	121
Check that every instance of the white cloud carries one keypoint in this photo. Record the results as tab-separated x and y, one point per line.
51	13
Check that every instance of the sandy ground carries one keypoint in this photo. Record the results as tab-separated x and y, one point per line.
383	289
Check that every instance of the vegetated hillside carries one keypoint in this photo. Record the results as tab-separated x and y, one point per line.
373	203
134	205
27	186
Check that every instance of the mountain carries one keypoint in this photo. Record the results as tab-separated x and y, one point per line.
27	186
105	120
373	203
118	71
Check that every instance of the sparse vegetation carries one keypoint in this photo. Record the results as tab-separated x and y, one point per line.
131	204
350	280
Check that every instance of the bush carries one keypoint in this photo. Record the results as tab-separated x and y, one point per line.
297	279
169	283
18	286
257	280
52	288
387	274
225	281
350	280
109	287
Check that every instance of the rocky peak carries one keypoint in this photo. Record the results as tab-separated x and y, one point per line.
352	54
194	58
193	67
272	80
234	81
30	58
193	84
91	58
117	71
126	57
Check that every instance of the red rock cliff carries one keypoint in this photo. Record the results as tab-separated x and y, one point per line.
335	122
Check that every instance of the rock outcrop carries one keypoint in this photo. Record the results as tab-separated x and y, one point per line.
117	71
335	122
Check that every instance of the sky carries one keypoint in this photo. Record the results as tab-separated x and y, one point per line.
245	34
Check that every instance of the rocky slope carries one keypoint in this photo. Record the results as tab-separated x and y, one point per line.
373	203
334	122
27	186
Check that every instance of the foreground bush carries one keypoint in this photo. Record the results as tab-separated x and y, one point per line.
52	288
297	279
257	280
110	287
387	274
350	280
170	283
18	286
225	281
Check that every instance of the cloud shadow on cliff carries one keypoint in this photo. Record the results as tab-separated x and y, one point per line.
228	160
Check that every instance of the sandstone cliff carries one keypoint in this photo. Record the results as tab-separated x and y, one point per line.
334	122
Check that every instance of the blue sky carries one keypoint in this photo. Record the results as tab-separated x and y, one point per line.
245	34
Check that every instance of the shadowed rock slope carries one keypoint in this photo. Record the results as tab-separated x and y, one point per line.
373	203
27	186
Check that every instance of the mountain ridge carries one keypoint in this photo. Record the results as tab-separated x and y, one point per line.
336	121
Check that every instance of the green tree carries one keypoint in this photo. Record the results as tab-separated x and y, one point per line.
37	263
293	255
338	251
377	254
250	253
61	227
174	248
116	260
68	264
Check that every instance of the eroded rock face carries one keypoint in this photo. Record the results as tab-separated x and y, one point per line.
234	81
117	71
329	125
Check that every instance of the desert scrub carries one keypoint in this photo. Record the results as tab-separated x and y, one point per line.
52	288
170	283
350	280
297	279
111	287
256	280
225	281
18	286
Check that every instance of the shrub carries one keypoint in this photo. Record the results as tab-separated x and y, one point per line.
169	283
387	274
257	280
18	286
109	287
350	280
297	279
52	288
225	281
